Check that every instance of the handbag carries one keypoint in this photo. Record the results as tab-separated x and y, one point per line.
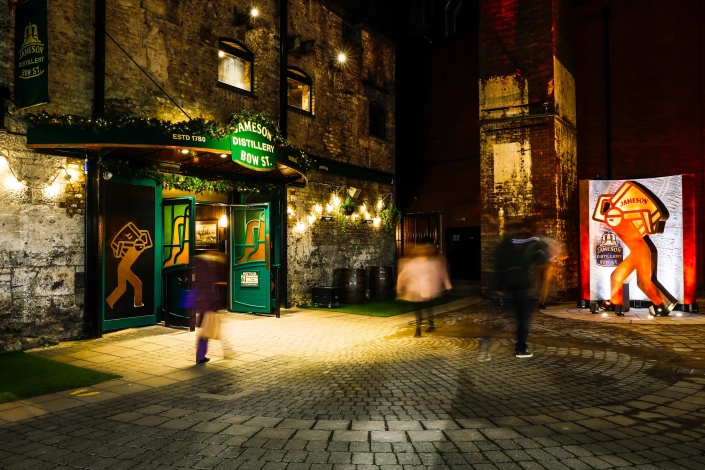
210	325
187	298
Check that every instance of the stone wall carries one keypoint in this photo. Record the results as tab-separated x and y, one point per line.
41	246
317	247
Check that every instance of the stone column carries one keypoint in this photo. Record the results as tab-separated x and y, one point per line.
527	127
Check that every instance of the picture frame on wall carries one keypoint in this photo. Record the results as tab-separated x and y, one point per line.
207	234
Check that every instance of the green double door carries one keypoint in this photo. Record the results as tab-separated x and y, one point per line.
251	285
178	249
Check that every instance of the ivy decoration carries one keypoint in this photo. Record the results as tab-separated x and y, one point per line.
197	126
182	183
390	216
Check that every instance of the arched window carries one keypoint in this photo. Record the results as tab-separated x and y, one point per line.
299	89
378	120
235	68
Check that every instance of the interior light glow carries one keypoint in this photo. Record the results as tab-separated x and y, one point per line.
223	221
679	314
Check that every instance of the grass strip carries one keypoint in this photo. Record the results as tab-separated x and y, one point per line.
25	375
384	308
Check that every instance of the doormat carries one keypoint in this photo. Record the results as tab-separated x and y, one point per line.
382	308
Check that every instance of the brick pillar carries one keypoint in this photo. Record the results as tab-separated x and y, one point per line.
527	126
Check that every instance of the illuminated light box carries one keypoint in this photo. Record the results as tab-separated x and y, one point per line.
637	244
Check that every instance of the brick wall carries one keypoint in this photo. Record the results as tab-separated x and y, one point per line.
657	94
316	249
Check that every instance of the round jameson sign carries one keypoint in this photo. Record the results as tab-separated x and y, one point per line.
252	147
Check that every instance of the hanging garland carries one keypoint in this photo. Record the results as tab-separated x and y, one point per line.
198	126
182	183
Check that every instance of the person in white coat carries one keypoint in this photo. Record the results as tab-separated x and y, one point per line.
422	279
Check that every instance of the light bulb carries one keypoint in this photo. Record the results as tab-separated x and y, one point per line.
318	208
329	208
221	54
223	221
380	204
254	12
342	57
311	219
376	221
336	201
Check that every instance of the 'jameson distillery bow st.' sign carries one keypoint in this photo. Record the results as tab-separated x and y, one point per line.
31	54
252	147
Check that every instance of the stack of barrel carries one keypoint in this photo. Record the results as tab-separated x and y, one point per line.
353	284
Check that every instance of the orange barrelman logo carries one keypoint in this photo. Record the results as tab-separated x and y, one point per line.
634	213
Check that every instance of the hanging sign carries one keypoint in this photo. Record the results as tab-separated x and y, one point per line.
31	54
252	146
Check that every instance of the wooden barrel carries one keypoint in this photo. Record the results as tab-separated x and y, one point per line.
381	282
352	284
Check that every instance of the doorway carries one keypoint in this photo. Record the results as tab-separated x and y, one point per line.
464	252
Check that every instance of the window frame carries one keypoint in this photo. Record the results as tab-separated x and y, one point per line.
298	75
383	115
237	49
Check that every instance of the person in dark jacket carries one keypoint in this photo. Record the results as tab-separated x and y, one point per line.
516	258
207	298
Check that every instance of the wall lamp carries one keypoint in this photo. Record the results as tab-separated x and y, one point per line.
339	61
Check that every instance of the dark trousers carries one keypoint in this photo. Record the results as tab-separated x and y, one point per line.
522	305
420	307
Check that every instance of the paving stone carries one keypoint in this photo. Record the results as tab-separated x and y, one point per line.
388	436
350	436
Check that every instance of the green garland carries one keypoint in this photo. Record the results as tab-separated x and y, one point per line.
195	126
182	183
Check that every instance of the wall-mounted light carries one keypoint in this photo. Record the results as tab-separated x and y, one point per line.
223	155
339	61
184	151
221	54
341	58
107	175
336	201
380	205
223	221
254	12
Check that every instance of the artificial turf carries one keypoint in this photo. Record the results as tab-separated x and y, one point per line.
384	308
24	375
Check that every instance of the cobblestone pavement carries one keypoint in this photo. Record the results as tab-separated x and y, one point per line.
322	390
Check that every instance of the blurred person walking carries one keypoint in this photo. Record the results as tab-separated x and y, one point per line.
206	304
546	271
516	258
422	279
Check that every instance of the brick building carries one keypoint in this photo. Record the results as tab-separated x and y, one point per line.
119	190
544	94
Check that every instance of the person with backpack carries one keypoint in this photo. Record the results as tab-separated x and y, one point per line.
516	258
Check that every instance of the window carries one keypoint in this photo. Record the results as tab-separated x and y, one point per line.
378	118
299	90
235	68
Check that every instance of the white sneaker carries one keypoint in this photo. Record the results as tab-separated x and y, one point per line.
524	354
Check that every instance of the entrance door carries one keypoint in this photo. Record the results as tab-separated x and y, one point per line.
179	227
131	229
251	284
464	251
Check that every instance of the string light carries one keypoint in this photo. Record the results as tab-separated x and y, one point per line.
318	208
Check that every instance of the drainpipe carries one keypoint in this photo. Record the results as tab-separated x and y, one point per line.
608	91
93	283
283	127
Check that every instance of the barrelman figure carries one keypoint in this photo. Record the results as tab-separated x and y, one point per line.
634	213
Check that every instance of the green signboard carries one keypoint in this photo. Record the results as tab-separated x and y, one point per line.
252	146
31	54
